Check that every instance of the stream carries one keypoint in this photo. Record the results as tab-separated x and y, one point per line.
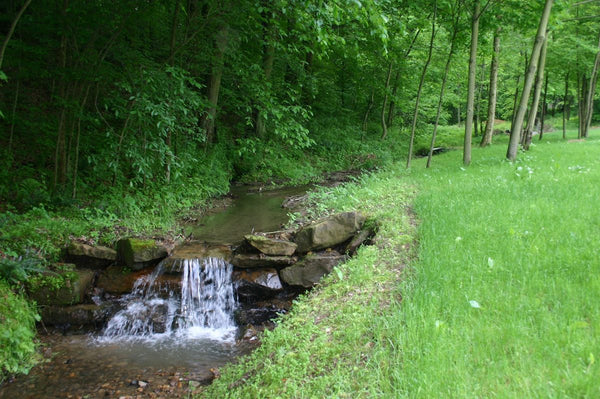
139	361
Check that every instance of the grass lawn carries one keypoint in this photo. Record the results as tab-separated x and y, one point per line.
499	298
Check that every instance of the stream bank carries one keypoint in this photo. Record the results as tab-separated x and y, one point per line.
70	357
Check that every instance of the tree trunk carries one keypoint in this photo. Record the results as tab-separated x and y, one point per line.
390	116
471	84
479	85
385	98
589	103
269	57
537	90
208	121
368	111
60	156
443	88
566	104
76	161
11	30
544	107
486	139
515	131
421	81
12	120
173	33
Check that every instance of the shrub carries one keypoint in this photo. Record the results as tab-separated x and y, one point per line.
17	332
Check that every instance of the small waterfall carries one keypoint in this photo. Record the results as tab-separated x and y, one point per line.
200	304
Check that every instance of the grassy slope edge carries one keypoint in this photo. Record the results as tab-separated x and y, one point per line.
501	301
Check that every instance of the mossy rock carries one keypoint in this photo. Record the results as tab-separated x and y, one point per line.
271	246
65	287
137	253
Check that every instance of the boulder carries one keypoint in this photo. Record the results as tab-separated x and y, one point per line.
358	240
77	315
256	284
119	280
329	232
75	284
262	260
307	272
90	256
137	254
271	246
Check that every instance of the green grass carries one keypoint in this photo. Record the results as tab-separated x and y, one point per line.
501	300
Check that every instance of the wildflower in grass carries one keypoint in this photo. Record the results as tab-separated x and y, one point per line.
474	304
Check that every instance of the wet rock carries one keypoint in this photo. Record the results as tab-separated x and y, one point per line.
90	256
76	283
77	315
202	378
329	232
262	260
138	254
256	284
307	272
118	280
271	246
158	316
197	249
259	313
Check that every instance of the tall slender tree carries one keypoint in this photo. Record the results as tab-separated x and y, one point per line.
515	133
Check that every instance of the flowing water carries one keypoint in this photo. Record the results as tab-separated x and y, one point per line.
201	306
174	327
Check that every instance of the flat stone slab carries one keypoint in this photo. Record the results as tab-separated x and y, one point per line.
90	256
197	250
271	246
261	260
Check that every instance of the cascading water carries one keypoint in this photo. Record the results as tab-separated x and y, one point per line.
200	304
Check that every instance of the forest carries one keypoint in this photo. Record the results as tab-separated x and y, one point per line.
118	116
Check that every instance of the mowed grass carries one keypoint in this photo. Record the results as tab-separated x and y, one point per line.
501	298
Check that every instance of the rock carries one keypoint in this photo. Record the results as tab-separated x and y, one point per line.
256	284
119	279
271	246
201	377
77	315
90	256
137	253
259	314
329	232
307	272
195	249
358	240
262	260
159	317
76	283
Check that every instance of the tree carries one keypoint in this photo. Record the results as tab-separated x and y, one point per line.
421	81
515	133
486	138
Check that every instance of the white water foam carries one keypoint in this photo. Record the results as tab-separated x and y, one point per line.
202	309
